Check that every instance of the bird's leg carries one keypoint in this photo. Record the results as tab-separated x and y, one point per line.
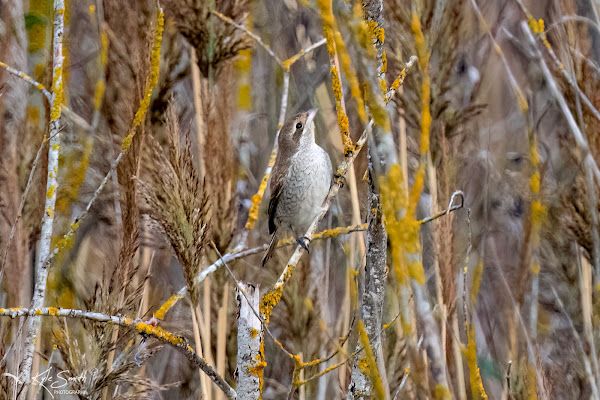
339	178
302	240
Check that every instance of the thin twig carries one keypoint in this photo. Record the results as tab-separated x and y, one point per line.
28	79
449	209
251	34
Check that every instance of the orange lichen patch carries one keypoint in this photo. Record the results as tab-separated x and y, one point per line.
352	276
470	354
152	81
334	232
268	301
50	191
53	311
290	61
370	368
399	210
99	94
154	62
160	333
162	311
257	198
104	48
538	212
259	367
58	93
253	333
38	312
311	363
537	27
335	43
376	32
422	53
377	110
383	85
342	118
127	142
363	364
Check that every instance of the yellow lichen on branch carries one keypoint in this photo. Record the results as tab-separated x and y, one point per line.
477	274
257	198
423	55
162	311
470	353
399	210
335	44
159	333
152	80
258	367
270	299
368	365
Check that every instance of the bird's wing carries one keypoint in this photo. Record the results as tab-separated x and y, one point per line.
276	185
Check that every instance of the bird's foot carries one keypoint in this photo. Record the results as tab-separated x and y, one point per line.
340	179
304	242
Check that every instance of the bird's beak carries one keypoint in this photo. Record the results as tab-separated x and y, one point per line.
311	115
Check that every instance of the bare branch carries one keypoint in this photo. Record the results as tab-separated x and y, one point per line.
143	328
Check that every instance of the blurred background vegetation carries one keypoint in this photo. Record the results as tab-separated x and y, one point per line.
509	280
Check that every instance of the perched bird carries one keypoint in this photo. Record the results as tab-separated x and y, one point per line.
300	180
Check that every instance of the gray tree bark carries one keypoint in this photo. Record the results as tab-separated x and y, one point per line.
250	356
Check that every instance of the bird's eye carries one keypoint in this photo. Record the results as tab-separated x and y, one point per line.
299	125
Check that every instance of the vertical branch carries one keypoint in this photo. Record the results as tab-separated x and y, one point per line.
361	385
39	294
367	380
250	356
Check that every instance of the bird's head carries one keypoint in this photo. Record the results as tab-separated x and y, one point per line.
298	131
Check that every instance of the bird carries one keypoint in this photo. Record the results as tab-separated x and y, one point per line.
300	180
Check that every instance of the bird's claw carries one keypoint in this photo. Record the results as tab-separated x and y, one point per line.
304	242
340	179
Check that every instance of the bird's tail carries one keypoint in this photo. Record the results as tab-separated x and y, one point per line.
270	249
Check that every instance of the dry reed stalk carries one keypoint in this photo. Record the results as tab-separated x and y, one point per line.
199	117
461	390
205	333
222	335
432	177
204	388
